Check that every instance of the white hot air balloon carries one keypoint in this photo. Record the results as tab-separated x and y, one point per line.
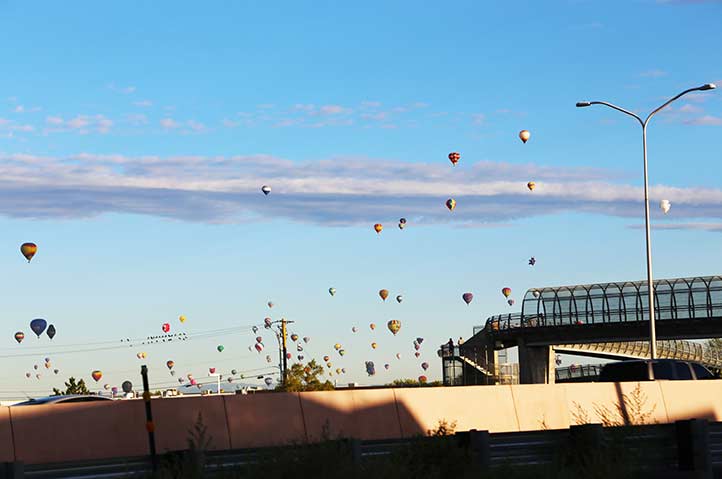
665	205
266	189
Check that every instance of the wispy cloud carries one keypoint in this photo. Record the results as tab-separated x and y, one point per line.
143	103
81	124
653	73
706	120
13	126
700	226
126	90
169	124
25	109
334	191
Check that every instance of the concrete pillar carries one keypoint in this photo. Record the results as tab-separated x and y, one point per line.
536	364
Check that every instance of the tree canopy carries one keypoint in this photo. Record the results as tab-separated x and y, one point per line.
72	388
305	378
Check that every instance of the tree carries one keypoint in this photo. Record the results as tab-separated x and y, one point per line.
305	378
412	383
72	388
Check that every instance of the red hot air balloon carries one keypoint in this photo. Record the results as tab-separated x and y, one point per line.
97	375
19	336
506	292
467	297
454	157
212	370
166	327
422	379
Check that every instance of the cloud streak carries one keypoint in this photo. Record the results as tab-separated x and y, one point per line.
332	192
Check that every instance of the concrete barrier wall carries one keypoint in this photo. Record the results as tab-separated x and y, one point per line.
72	432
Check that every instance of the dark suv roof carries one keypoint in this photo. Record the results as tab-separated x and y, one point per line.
71	398
653	369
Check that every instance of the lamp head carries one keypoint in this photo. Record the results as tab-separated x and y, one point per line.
582	104
707	86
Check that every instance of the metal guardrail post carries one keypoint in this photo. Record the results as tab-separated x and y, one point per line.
12	470
693	447
149	425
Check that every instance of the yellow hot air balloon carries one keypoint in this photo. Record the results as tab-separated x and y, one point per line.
384	293
337	346
374	345
182	318
394	326
28	250
378	227
531	185
524	135
451	204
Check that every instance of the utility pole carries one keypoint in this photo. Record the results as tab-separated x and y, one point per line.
282	337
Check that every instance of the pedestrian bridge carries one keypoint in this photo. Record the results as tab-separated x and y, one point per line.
609	320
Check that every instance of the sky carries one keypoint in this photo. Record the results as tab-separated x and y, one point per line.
135	138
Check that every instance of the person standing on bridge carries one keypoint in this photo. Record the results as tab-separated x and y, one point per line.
451	347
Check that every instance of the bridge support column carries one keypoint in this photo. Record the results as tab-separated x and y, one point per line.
536	364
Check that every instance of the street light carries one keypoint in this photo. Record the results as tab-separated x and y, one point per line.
650	285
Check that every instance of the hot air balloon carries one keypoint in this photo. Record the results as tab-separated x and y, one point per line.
536	293
424	366
182	318
398	355
106	386
259	347
51	331
532	261
27	375
417	346
328	365
47	365
47	360
417	354
467	297
387	366
419	340
56	371
266	189
394	326
97	375
268	381
370	369
451	204
270	304
332	291
422	379
220	348
267	322
259	339
172	373
337	346
38	326
143	355
306	339
299	348
326	358
531	185
384	293
399	298
343	370
139	355
300	357
127	386
374	345
230	380
254	329
402	223
212	370
506	292
19	336
268	358
524	135
170	364
454	157
354	329
37	376
372	326
28	250
378	227
234	372
341	352
114	390
338	370
665	205
165	327
294	337
510	301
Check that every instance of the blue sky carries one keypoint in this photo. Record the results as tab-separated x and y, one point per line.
134	140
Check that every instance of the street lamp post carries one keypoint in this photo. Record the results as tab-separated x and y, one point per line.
643	123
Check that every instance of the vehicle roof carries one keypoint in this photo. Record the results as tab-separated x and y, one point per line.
62	398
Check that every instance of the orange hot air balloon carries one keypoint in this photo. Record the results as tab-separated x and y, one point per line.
374	345
394	326
524	135
506	292
531	185
451	204
378	227
372	326
384	293
454	157
97	375
28	250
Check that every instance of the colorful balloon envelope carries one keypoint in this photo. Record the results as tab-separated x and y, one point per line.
28	250
56	371
378	228
394	326
343	370
19	336
254	329
299	348
354	329
97	375
451	204
454	157
28	375
524	135
370	369
270	304
531	185
266	189
536	293
374	345
332	291
510	302
328	365
267	322
220	348
259	339
387	366
326	358
51	331
372	326
300	357
169	364
424	366
38	326
399	298
423	379
259	347
165	327
532	261
665	205
234	372
467	297
341	352
212	370
268	381
106	386
384	293
337	346
127	386
182	318
417	354
306	339
294	337
402	221
417	346
419	340
398	355
506	292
